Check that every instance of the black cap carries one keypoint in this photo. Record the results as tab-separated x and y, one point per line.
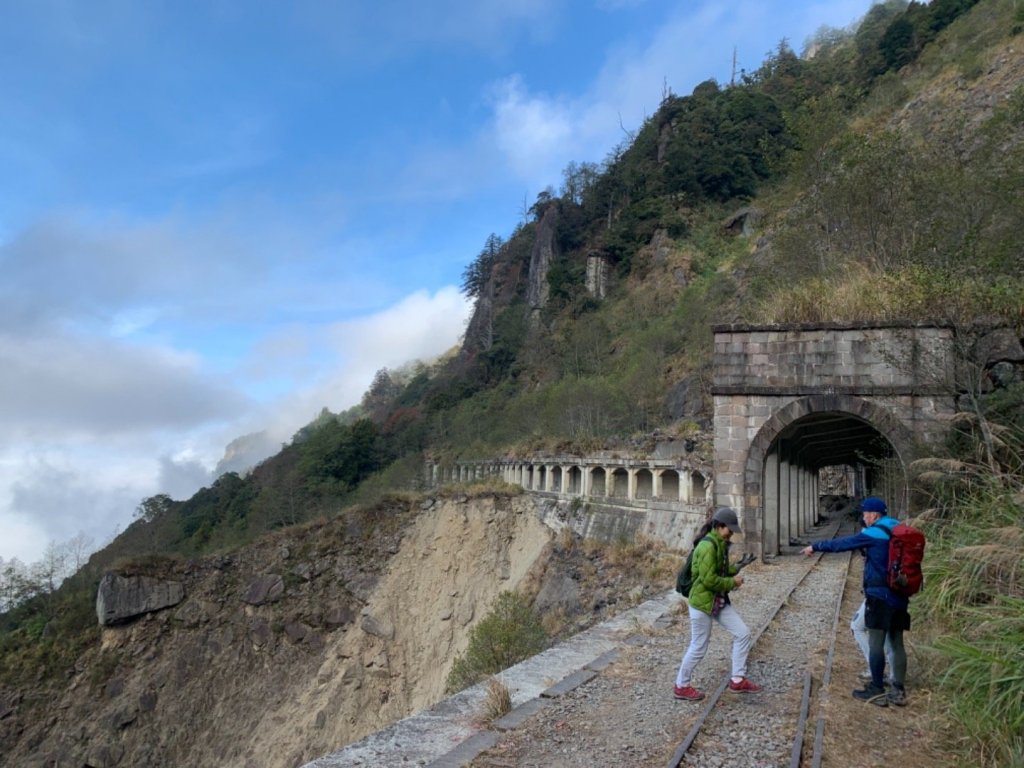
727	516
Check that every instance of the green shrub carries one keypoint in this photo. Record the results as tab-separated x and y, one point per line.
511	632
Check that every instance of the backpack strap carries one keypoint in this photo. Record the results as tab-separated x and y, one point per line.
888	532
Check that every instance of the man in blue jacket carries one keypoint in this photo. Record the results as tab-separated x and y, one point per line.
885	612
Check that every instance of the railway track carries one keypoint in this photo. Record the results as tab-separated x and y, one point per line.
784	724
625	716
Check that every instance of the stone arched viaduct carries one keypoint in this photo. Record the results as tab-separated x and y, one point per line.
790	400
605	496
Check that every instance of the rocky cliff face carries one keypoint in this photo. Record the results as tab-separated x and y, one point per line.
545	250
288	649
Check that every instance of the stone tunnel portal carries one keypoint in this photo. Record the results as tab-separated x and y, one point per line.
790	400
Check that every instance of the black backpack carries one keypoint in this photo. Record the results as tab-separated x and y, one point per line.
684	579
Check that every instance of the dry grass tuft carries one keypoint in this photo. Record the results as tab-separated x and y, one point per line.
555	622
641	550
948	466
997	565
565	540
873	293
497	703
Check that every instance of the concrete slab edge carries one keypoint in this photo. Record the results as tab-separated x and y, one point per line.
570	683
464	753
519	715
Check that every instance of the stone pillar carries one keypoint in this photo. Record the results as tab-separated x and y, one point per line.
809	505
794	494
770	505
816	496
812	501
786	529
800	497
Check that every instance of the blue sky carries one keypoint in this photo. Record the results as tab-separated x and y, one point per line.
220	217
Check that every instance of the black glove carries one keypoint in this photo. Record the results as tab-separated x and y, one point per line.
746	560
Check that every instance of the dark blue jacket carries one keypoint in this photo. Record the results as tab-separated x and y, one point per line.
875	543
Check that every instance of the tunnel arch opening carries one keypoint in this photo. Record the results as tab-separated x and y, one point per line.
816	446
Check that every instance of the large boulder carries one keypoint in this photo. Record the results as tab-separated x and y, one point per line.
121	598
264	589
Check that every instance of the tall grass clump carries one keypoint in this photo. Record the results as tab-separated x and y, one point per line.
972	608
497	702
510	632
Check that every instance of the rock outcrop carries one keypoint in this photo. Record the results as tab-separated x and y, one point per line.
545	250
122	598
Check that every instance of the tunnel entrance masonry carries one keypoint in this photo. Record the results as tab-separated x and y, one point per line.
792	399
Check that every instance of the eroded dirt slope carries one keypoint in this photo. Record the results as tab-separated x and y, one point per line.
374	608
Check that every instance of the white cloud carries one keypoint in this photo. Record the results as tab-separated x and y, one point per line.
86	466
180	477
71	384
50	493
419	327
534	132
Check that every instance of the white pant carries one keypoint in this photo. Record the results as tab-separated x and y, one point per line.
700	639
860	635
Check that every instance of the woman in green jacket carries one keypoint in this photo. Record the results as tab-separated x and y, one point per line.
713	578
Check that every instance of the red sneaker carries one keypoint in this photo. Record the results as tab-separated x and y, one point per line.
688	693
744	686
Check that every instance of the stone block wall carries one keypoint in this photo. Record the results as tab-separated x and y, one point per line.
862	358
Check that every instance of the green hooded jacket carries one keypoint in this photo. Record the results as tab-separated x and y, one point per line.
708	559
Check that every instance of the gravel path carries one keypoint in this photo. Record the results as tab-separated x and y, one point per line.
626	716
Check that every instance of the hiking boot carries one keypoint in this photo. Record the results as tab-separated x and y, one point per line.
897	695
872	694
687	693
744	686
